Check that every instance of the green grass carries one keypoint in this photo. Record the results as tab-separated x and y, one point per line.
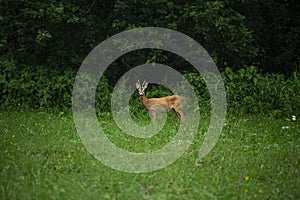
42	157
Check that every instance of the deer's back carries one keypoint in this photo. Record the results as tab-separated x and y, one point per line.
167	102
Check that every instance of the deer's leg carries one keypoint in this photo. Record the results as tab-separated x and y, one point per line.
179	113
153	115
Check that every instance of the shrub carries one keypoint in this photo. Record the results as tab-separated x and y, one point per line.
247	90
31	87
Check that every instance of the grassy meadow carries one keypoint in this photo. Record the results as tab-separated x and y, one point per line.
42	157
53	52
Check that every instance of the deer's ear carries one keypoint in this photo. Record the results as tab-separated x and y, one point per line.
137	85
146	85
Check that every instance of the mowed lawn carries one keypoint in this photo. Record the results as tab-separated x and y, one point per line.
42	157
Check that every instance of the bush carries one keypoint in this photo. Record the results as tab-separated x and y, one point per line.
247	90
251	92
39	87
34	87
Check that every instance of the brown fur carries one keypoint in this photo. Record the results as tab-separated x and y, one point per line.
163	104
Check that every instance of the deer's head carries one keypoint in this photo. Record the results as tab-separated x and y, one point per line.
141	88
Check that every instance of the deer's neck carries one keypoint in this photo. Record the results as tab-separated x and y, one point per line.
144	100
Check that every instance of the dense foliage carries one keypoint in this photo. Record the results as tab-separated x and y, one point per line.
247	90
236	33
43	43
34	87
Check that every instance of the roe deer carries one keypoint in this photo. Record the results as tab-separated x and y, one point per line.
157	105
